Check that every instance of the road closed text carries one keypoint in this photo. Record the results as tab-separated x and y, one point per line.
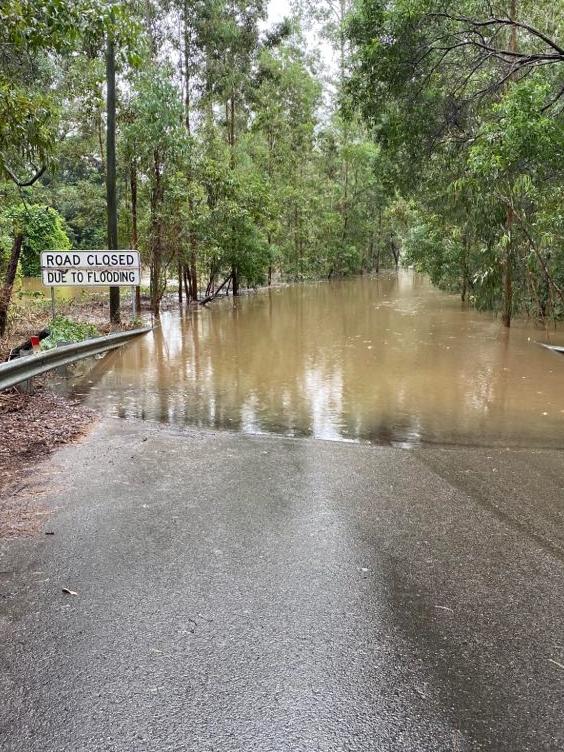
89	259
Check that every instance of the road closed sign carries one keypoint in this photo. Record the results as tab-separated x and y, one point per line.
90	268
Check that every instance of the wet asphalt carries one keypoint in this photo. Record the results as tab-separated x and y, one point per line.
261	594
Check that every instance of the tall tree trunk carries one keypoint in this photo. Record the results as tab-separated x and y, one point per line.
100	132
507	273
187	51
180	283
111	198
187	106
193	270
156	236
378	243
232	122
395	252
235	280
506	264
134	232
6	290
187	283
464	269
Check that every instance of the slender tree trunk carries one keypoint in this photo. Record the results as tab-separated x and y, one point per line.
187	51
134	232
464	269
6	290
507	274
506	264
187	283
156	237
232	122
111	198
395	252
187	106
179	283
235	281
378	243
100	132
193	270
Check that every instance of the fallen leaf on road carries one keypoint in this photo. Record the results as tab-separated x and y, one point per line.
445	608
69	592
556	663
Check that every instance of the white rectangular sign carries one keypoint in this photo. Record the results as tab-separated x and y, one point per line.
90	268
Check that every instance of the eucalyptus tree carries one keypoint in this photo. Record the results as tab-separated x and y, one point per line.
466	102
157	137
282	143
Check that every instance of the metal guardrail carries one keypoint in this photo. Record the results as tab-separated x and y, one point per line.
553	348
21	369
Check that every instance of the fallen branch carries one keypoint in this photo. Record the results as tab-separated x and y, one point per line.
214	295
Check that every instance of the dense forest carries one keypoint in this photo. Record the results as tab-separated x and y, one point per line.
435	138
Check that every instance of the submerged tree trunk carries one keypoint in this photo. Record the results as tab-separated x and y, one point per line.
6	290
235	280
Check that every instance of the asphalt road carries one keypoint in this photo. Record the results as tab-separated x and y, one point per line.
242	594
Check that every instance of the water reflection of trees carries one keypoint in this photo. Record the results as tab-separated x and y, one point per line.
386	359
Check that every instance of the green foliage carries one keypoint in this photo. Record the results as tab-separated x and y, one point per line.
229	162
471	136
42	228
33	36
63	330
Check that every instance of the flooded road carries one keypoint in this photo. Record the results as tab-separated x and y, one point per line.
386	359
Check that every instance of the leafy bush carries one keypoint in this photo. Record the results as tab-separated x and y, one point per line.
64	330
43	229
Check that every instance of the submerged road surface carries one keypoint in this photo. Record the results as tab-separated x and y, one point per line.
241	594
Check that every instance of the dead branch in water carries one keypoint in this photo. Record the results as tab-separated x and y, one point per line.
214	295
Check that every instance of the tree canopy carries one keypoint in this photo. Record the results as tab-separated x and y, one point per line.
439	141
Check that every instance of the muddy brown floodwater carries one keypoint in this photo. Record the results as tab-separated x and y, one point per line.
384	359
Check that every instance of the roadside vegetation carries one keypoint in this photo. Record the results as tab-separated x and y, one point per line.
435	139
465	101
231	167
63	330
